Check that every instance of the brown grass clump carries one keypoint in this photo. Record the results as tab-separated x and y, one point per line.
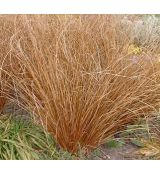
77	76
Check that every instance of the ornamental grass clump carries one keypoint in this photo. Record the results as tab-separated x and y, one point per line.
76	76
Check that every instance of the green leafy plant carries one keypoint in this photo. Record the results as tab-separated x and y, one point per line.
114	143
137	142
21	139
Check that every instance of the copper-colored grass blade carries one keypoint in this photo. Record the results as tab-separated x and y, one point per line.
2	103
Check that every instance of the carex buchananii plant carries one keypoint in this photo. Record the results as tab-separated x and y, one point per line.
79	76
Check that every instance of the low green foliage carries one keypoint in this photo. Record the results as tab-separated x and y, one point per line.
113	143
137	142
25	140
139	129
